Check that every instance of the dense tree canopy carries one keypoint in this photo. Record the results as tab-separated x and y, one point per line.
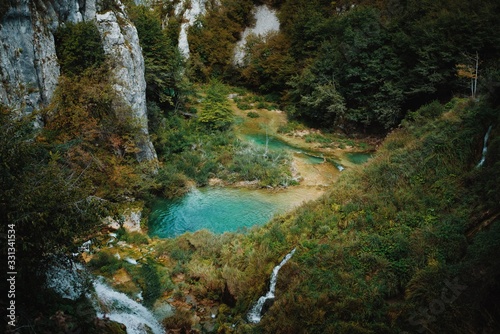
384	58
162	59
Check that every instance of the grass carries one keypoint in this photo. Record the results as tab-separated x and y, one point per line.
392	229
372	252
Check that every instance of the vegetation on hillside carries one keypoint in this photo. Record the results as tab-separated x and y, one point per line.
353	64
407	243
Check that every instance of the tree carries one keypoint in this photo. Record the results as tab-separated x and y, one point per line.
326	97
47	202
162	60
267	65
216	112
78	47
470	71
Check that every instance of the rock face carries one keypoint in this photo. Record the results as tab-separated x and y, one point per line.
29	70
188	10
121	44
28	62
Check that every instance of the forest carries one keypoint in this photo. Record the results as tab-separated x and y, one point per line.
406	243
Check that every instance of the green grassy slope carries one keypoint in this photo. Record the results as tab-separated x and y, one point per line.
395	246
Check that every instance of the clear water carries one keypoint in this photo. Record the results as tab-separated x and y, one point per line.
222	210
358	157
275	144
218	210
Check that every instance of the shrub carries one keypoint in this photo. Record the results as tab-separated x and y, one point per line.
135	238
253	114
78	47
216	112
180	320
151	284
105	262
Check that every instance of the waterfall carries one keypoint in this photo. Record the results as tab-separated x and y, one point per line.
255	313
69	281
118	307
485	148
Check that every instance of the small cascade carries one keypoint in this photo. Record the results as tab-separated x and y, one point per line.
70	279
118	307
485	148
255	313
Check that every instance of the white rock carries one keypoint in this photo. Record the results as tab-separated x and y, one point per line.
121	44
266	21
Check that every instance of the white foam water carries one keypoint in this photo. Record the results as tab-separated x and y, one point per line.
255	314
118	307
485	148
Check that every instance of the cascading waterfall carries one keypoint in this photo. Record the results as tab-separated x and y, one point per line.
255	313
118	307
485	148
69	281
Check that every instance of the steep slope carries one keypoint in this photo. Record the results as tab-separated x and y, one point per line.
29	68
406	243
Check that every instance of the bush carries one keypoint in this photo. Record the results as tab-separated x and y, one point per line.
105	262
180	320
216	112
135	238
78	47
253	114
151	284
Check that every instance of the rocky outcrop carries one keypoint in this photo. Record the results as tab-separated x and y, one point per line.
266	21
121	44
29	70
188	10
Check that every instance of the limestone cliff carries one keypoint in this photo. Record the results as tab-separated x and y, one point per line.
29	70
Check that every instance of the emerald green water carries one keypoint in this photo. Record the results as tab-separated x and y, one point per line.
228	209
218	209
275	144
358	157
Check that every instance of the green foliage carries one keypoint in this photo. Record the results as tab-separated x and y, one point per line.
151	285
216	112
51	211
39	195
371	63
267	64
79	47
162	60
213	37
105	262
253	114
135	238
98	134
291	126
